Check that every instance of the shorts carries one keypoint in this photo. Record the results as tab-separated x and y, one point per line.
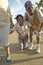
4	34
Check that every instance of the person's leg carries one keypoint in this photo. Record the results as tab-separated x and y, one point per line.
25	42
31	41
6	44
20	43
7	49
4	34
38	44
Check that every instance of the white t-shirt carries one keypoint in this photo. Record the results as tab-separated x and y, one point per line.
39	14
21	29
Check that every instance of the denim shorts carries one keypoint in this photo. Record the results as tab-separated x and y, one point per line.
23	41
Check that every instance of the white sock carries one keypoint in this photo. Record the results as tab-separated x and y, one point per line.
38	45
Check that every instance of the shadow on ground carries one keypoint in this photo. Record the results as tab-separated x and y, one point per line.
15	50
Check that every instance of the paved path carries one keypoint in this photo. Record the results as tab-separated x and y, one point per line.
26	57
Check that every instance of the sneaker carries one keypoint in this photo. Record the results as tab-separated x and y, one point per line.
38	49
31	46
8	58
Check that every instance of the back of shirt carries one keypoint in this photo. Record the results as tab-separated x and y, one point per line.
4	12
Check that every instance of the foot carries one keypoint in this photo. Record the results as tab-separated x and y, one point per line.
8	58
31	46
37	50
21	48
25	47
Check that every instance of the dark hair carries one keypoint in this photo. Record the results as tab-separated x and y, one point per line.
18	17
27	3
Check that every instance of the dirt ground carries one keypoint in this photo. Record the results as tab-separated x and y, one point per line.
25	57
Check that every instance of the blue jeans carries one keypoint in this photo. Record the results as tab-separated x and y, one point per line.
23	41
